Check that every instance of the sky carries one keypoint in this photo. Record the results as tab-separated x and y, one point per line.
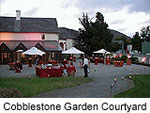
126	16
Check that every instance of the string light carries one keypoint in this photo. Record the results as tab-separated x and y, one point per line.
115	80
111	86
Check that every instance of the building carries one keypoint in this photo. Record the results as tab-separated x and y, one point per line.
19	33
145	47
67	37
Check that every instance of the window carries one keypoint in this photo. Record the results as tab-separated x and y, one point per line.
43	36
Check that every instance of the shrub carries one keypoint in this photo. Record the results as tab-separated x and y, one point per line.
134	59
124	58
10	93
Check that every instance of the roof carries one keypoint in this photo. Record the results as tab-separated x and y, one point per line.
42	25
66	33
47	45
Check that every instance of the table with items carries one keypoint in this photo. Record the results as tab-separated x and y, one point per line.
54	71
12	66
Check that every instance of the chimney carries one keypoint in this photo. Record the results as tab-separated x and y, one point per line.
18	14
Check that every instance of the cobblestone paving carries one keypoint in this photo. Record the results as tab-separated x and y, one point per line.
27	71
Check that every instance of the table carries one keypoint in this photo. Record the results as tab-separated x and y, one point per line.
71	68
51	72
96	60
12	66
118	63
52	62
107	61
128	62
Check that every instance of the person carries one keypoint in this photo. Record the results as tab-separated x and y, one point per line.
18	66
85	65
71	70
37	60
96	60
30	62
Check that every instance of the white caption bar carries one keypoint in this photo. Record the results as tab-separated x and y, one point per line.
75	105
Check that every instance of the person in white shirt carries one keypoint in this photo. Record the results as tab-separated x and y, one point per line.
85	65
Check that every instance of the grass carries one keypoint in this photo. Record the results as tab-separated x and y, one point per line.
33	86
140	90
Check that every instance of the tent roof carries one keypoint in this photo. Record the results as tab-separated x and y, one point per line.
72	50
103	51
33	51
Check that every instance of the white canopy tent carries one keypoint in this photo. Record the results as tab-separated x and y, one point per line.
72	50
102	51
19	51
33	51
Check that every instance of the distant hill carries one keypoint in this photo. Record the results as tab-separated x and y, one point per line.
117	34
66	33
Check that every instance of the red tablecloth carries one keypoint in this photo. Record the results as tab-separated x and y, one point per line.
118	63
107	61
52	62
53	72
71	68
128	62
96	60
12	66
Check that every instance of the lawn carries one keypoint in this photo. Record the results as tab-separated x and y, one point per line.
33	86
141	89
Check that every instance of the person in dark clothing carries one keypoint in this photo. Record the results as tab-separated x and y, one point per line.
19	65
30	62
85	65
37	60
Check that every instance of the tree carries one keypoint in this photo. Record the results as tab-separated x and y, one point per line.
126	41
102	36
94	35
82	42
137	42
145	33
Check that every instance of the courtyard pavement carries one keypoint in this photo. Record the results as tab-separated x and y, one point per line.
103	76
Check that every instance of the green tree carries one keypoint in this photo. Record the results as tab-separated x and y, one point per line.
83	40
145	33
94	35
137	42
127	41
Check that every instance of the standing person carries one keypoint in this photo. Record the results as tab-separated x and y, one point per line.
30	62
37	60
85	65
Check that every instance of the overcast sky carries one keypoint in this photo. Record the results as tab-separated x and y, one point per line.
126	16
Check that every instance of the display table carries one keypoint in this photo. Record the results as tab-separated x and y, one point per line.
51	72
128	62
12	66
107	61
96	60
118	63
52	62
71	70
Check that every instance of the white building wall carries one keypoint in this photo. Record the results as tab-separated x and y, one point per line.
51	37
28	36
69	43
